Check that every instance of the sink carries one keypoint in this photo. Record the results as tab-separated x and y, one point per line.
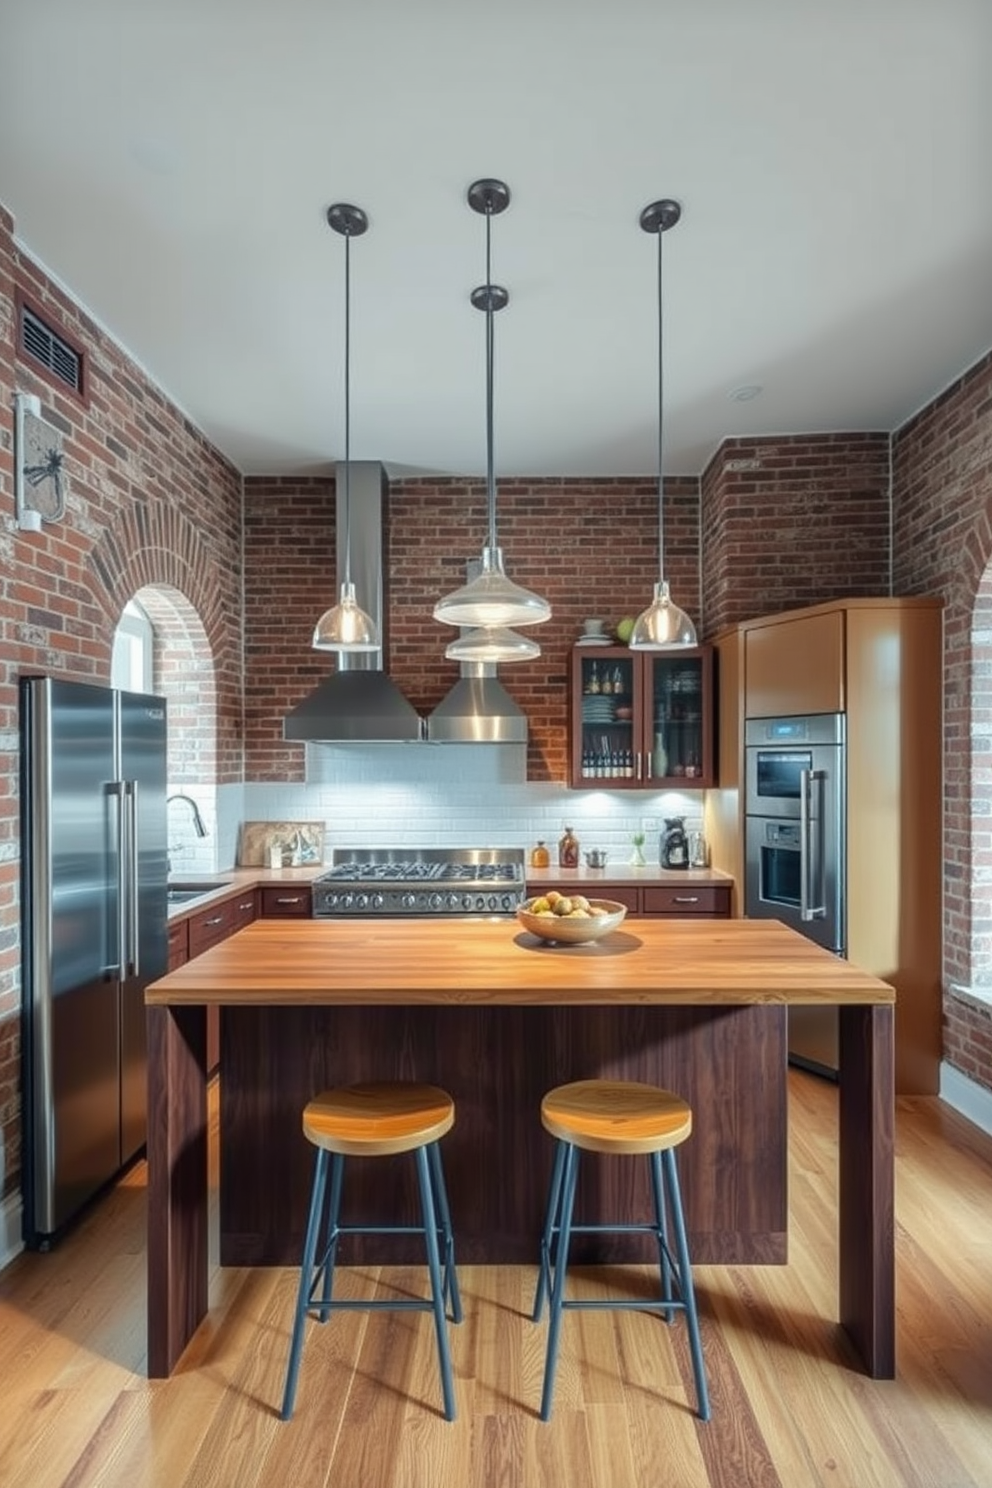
180	891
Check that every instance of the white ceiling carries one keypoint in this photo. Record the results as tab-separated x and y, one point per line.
172	163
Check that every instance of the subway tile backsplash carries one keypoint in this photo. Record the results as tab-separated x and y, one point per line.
446	796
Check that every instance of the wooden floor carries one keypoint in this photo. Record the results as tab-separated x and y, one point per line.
788	1408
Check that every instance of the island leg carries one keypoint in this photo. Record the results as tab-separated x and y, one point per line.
177	1182
867	1219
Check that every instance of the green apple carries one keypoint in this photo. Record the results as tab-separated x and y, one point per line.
625	629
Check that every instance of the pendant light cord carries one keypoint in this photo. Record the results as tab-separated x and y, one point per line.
661	443
347	407
490	362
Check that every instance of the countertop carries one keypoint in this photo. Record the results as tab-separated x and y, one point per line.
234	881
623	873
462	961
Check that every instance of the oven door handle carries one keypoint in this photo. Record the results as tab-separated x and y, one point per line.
811	846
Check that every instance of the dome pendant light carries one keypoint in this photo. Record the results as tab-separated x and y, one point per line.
662	625
346	627
491	600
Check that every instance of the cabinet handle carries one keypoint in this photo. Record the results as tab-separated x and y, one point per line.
246	904
218	921
685	898
295	900
640	766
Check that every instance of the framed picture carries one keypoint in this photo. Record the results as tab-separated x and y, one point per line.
298	844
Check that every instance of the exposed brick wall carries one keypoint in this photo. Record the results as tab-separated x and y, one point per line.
807	522
590	547
968	1038
942	509
150	503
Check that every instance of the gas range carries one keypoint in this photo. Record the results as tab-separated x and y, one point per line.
420	881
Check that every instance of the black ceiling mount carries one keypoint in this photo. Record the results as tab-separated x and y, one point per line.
659	216
347	220
489	196
490	297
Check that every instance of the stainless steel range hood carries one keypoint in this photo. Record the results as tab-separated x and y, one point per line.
477	710
359	703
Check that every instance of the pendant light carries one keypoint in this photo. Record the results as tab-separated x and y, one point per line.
492	643
662	625
491	600
346	627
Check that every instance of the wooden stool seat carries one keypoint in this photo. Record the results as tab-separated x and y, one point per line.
374	1120
616	1116
625	1117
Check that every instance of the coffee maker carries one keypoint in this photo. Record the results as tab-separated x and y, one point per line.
674	843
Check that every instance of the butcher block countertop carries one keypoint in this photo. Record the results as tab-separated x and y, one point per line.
463	961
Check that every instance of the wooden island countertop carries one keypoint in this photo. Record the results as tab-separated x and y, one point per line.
496	1016
496	961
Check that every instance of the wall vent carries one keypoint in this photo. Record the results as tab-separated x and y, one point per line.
44	344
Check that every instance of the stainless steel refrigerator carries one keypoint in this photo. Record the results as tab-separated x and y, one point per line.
94	869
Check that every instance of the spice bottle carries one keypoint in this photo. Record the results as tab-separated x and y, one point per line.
568	850
539	856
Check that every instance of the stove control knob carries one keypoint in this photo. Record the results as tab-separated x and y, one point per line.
493	902
408	901
453	901
362	901
378	900
467	902
347	900
435	902
330	900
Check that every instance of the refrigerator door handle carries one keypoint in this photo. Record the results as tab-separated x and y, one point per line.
130	863
811	847
118	949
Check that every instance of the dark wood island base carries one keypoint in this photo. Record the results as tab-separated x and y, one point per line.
476	1009
497	1063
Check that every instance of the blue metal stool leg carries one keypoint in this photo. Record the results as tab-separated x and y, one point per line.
685	1285
550	1222
303	1294
331	1233
571	1169
444	1216
661	1232
437	1287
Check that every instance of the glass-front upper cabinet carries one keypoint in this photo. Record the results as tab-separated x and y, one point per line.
642	719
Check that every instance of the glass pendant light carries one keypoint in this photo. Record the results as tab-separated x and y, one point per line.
492	643
346	627
491	600
662	625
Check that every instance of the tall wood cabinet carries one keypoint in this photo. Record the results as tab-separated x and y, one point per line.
878	661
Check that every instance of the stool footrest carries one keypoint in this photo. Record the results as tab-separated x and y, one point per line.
356	1304
621	1304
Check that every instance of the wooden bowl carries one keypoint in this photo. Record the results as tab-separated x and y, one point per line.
564	930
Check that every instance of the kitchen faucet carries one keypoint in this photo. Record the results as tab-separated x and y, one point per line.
198	823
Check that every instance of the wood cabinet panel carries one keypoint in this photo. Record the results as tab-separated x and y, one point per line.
209	927
795	666
178	943
694	899
285	902
654	900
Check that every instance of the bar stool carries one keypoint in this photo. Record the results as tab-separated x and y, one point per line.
375	1120
616	1116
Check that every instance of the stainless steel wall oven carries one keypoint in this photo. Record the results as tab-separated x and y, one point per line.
795	849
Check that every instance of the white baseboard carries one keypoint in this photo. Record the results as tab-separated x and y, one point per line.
11	1239
966	1096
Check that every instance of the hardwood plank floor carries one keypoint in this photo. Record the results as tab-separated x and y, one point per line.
789	1408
